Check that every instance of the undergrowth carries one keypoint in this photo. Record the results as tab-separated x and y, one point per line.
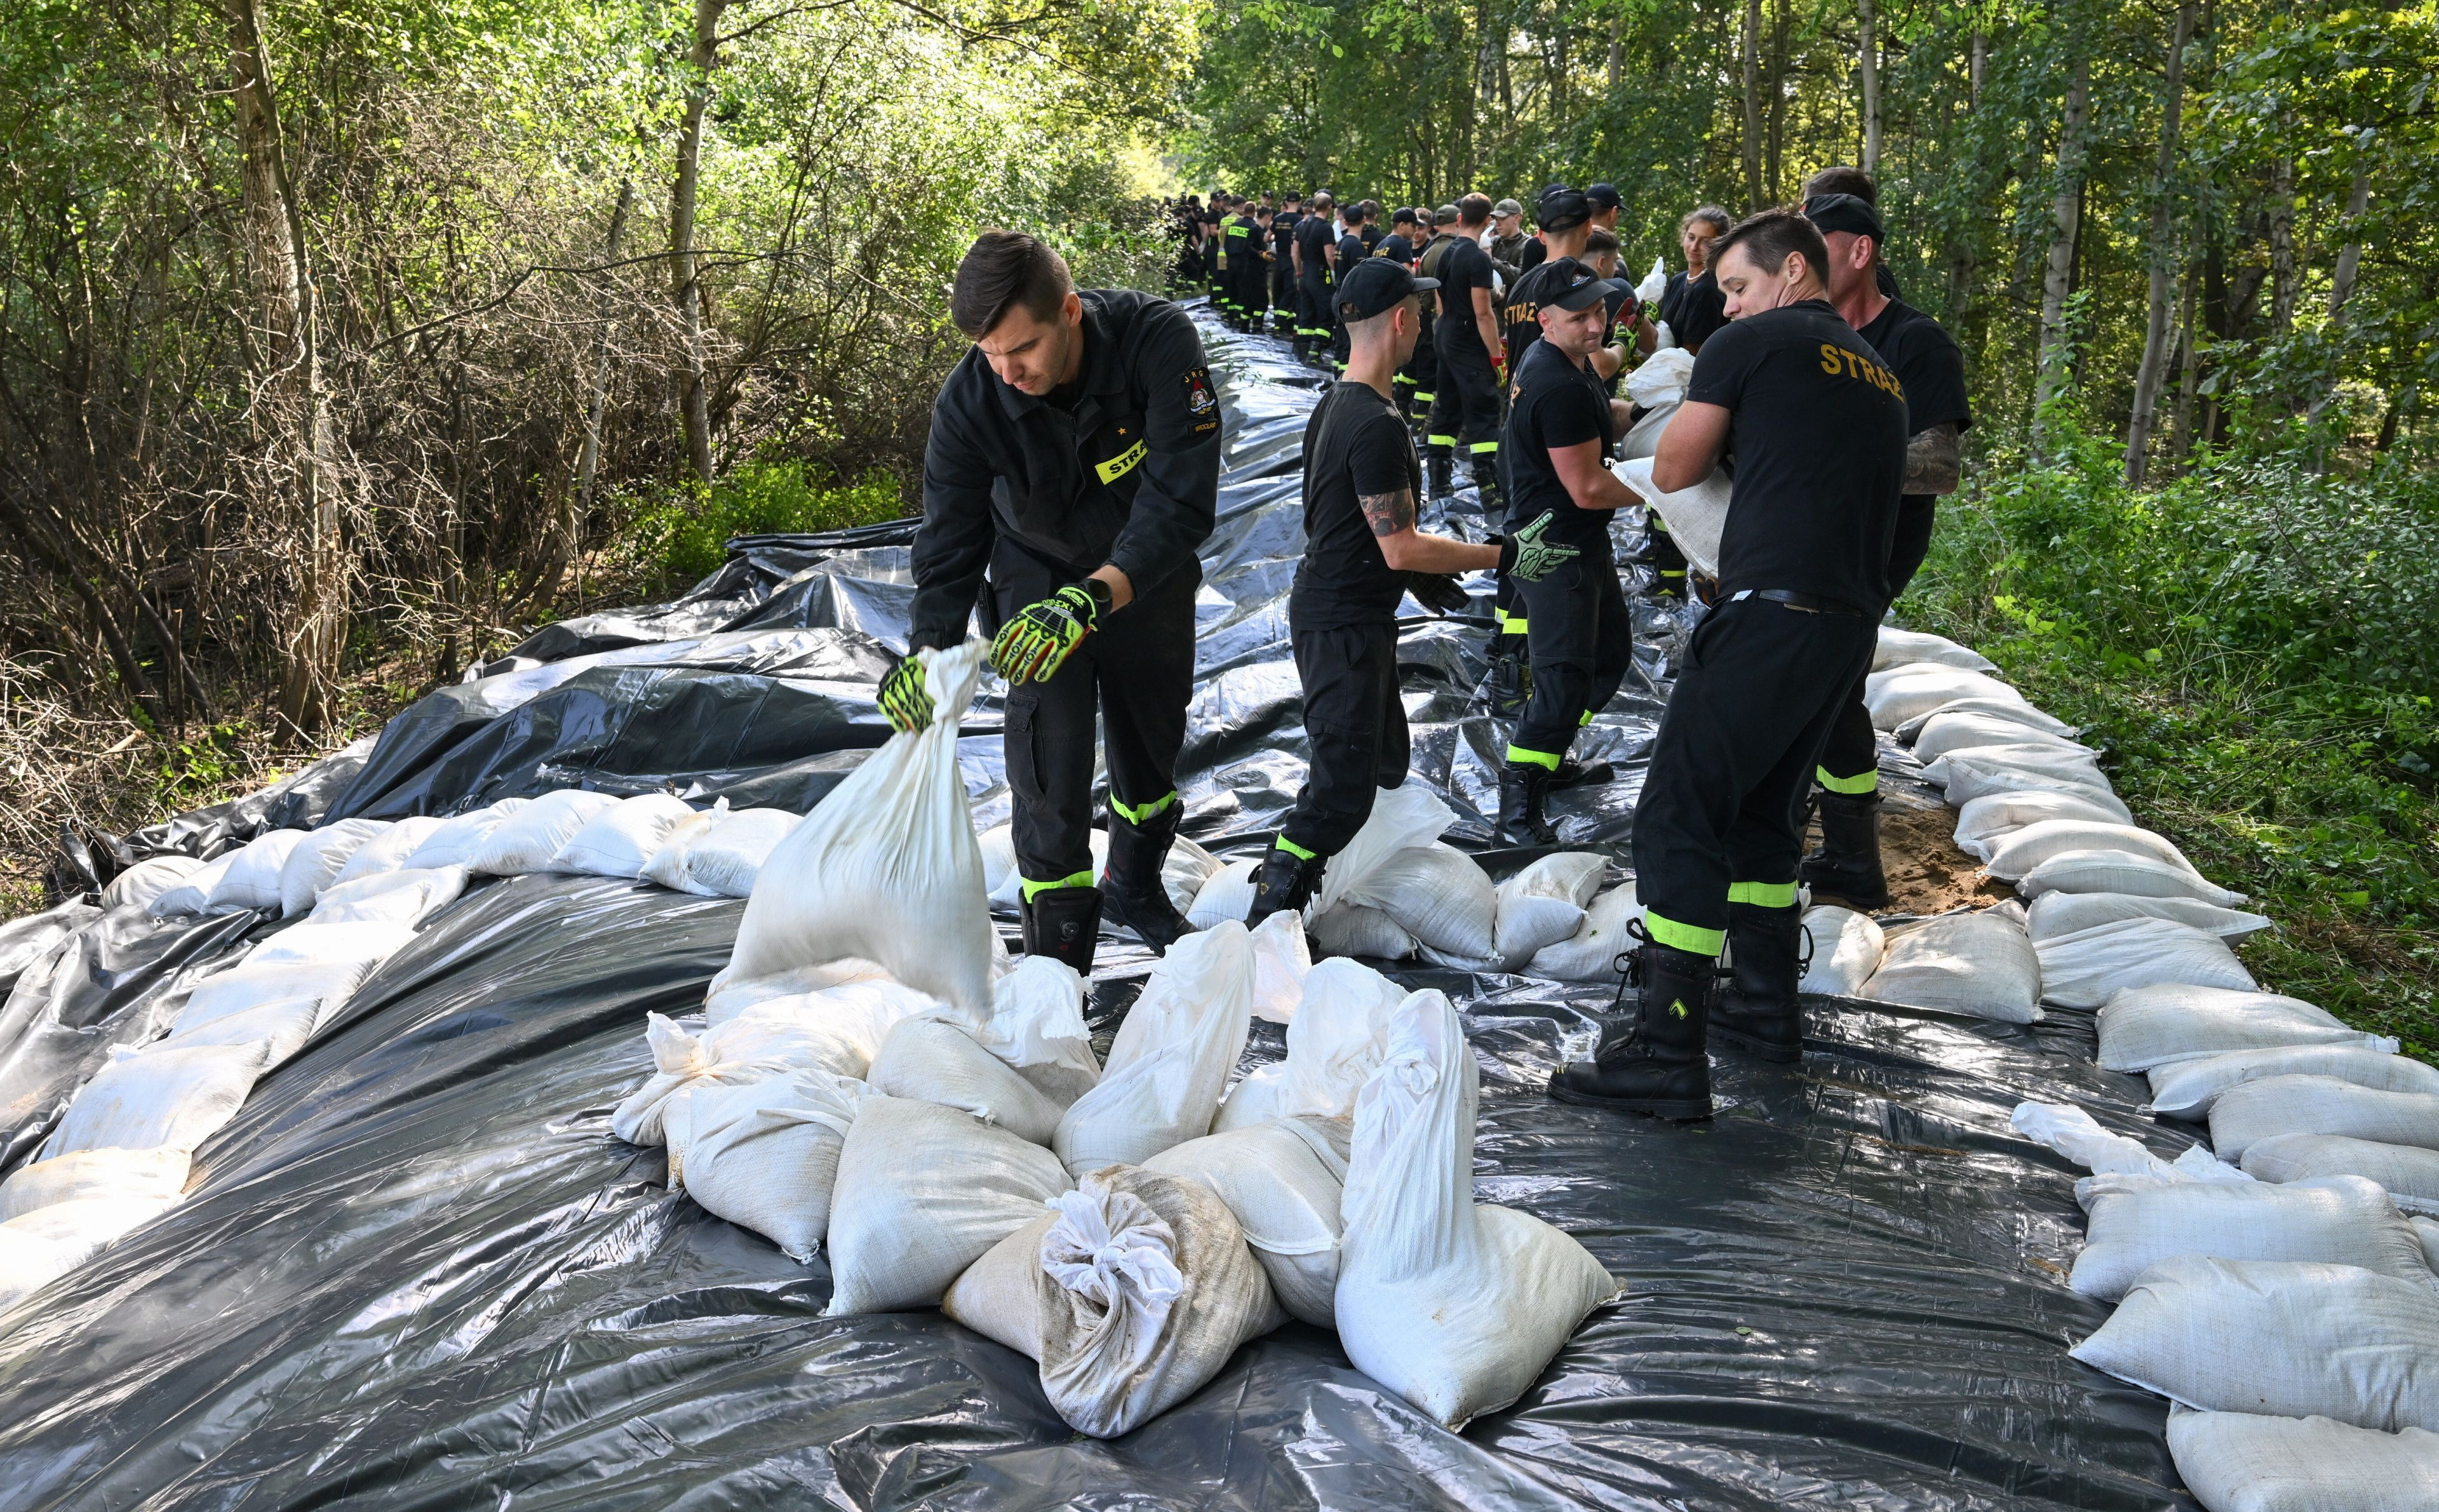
676	536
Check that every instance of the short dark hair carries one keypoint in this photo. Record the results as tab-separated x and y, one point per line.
1842	178
1717	219
1602	239
1004	269
1769	236
1473	209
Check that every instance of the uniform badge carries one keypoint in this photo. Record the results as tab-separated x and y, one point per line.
1202	401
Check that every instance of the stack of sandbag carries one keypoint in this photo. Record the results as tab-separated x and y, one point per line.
1590	954
1976	963
1846	949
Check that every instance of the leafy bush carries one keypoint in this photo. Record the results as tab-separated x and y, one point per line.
684	535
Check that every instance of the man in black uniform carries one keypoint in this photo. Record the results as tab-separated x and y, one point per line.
1352	249
1316	245
1283	280
1215	221
1927	363
1403	245
1817	425
1842	178
1245	280
1426	365
1465	410
1362	557
1075	459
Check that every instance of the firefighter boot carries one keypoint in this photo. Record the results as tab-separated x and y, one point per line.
1442	479
1759	1012
1574	773
1131	886
1063	923
1848	862
1654	1063
1523	787
1285	881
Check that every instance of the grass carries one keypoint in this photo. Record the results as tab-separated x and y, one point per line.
680	535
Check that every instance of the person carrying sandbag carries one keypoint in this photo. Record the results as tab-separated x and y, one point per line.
1818	426
1074	463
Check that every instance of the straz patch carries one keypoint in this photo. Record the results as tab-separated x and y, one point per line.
1202	401
1120	465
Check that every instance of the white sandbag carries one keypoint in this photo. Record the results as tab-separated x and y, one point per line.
139	885
252	879
1964	783
885	868
459	838
2025	764
526	841
2408	1174
2150	1026
1402	817
1641	439
2292	1104
160	1096
2079	1136
2013	708
192	893
398	898
727	861
1696	516
1981	824
622	839
766	1040
999	1296
1454	1306
1037	1026
1283	1180
274	1031
1437	895
2247	1461
923	1192
369	944
1545	904
2086	969
1848	947
1967	730
764	1154
856	997
2054	914
314	863
1980	963
252	983
1171	1058
1183	874
1333	1043
1661	378
1282	958
1912	689
48	1243
388	850
1352	929
2186	1089
2118	871
1590	954
2337	1219
1226	893
926	1060
136	1175
1151	1290
2427	1230
2285	1339
2026	848
667	865
1900	647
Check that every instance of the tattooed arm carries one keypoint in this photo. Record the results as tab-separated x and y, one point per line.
1935	461
1392	519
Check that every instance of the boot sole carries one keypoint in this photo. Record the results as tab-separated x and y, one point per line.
1776	1054
1679	1110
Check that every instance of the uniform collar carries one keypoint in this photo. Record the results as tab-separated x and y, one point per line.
1100	374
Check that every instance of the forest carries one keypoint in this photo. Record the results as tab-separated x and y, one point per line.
341	343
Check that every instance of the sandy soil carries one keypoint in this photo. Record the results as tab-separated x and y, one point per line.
1927	873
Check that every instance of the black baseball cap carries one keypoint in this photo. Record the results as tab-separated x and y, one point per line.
1377	285
1845	212
1562	208
1570	285
1603	196
1405	215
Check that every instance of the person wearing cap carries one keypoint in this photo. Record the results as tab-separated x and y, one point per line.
1362	555
1606	206
1283	279
1817	425
1843	178
1927	363
1578	633
1071	476
1507	239
1465	410
1352	249
1403	245
1315	247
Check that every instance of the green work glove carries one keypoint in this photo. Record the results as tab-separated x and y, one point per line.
905	697
1527	558
1034	645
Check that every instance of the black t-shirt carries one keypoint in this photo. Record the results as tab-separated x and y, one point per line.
1927	362
1395	245
1368	235
1464	268
1536	252
1519	317
1355	445
1819	439
1351	251
1312	236
1693	308
1556	403
1283	233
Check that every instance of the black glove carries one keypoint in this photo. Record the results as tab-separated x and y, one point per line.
1438	591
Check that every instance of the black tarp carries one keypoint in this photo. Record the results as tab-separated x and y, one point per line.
418	1271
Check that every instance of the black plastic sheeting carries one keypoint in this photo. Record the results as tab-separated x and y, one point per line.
418	1271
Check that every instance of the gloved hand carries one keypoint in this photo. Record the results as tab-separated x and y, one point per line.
1527	558
1435	591
905	697
1036	642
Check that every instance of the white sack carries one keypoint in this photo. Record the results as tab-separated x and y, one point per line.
926	1060
667	865
2027	764
2013	708
139	885
134	1175
2079	1136
1912	689
2427	1230
2088	967
1334	1042
2186	1089
763	1041
2320	1105
459	839
274	1030
2117	871
1437	895
1661	378
252	879
1968	730
1281	959
1404	816
1980	963
1641	439
1590	954
161	1095
727	861
2150	1026
923	1192
1899	648
313	941
1848	947
314	863
2335	1219
1226	893
999	1296
1968	779
764	1155
1696	516
1037	1026
2409	1174
2284	1338
251	984
1993	816
885	868
398	898
622	839
45	1244
1283	1182
526	841
2245	1461
388	850
192	893
1454	1306
1352	929
2018	854
2054	914
1545	904
1171	1058
1184	871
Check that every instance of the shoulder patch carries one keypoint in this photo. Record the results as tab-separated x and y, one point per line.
1202	401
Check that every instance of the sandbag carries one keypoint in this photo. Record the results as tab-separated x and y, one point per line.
139	885
1402	817
1964	778
2410	1175
928	1061
1912	689
1980	963
388	850
1848	947
923	1192
1437	895
2320	1105
2137	1222
1171	1057
314	863
274	1031
161	1095
2054	914
526	841
726	861
1037	1026
404	899
2186	1089
252	879
1186	867
2018	854
886	868
1545	904
192	893
667	865
2028	763
1900	647
136	1175
1984	821
1641	439
1352	929
2118	871
1966	730
1454	1306
2086	969
1282	958
620	839
50	1242
760	1043
764	1155
1696	516
2147	1026
2427	1230
1333	1043
1661	378
364	944
2076	1135
2283	1338
461	837
2247	1461
1283	1180
252	983
1226	893
2013	708
1590	954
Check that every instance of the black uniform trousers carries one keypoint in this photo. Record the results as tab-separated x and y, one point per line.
1283	292
1418	381
1850	762
1580	636
1720	818
1355	729
1136	671
1465	413
1316	322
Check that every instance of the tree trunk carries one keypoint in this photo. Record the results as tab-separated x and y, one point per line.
1774	85
2151	372
2284	276
2342	279
568	537
1755	197
1867	21
2066	215
694	399
2180	441
1617	53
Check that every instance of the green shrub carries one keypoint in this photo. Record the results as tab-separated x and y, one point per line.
684	535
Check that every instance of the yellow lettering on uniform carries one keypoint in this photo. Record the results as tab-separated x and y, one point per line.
1120	465
1853	363
1829	357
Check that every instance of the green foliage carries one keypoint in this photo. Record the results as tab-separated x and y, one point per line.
682	534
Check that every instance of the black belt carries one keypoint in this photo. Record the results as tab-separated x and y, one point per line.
1808	603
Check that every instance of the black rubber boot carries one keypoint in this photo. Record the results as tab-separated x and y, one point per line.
1063	923
1485	487
1653	1062
1574	773
1848	862
1442	476
1759	1011
1523	787
1285	881
1509	686
1132	888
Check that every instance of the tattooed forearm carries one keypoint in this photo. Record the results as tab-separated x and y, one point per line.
1388	512
1933	461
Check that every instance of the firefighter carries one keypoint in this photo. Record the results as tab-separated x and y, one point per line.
1283	280
1466	412
1315	250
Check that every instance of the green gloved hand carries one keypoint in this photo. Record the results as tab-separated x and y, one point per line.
905	697
1034	645
1527	557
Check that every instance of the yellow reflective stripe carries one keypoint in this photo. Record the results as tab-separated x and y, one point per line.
1763	894
1137	815
1120	465
1082	879
1439	440
1516	625
1520	757
1868	782
1429	398
1481	447
1586	719
1692	938
1283	843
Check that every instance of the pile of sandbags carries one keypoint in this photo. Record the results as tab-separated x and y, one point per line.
1979	963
